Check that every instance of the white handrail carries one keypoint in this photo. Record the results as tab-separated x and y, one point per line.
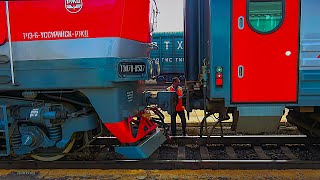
10	44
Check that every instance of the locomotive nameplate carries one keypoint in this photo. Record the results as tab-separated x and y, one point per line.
132	68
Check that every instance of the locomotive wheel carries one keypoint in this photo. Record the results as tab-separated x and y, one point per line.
56	157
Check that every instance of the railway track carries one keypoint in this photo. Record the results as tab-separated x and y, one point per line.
229	152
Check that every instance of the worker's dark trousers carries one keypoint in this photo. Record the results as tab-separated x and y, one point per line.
174	125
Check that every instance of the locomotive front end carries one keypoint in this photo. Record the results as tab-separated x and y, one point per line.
70	69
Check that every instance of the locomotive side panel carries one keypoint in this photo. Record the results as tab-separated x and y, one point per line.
52	20
41	30
94	51
3	24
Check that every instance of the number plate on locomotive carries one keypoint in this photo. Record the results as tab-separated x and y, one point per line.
132	68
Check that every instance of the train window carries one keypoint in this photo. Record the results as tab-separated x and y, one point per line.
265	16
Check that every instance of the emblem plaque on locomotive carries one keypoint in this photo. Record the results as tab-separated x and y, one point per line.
73	6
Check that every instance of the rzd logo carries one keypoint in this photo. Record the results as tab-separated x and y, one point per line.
73	6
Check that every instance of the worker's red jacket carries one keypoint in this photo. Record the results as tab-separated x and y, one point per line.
179	92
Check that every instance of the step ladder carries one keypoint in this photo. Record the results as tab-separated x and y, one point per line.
4	132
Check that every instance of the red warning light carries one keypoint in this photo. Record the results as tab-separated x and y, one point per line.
219	75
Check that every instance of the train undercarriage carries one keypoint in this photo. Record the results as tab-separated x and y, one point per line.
47	125
307	120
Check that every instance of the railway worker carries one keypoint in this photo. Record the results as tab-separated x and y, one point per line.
179	108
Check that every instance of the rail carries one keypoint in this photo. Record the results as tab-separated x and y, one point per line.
179	153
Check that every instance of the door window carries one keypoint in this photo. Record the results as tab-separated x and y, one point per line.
265	16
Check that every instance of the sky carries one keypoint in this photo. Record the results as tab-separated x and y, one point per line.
170	18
